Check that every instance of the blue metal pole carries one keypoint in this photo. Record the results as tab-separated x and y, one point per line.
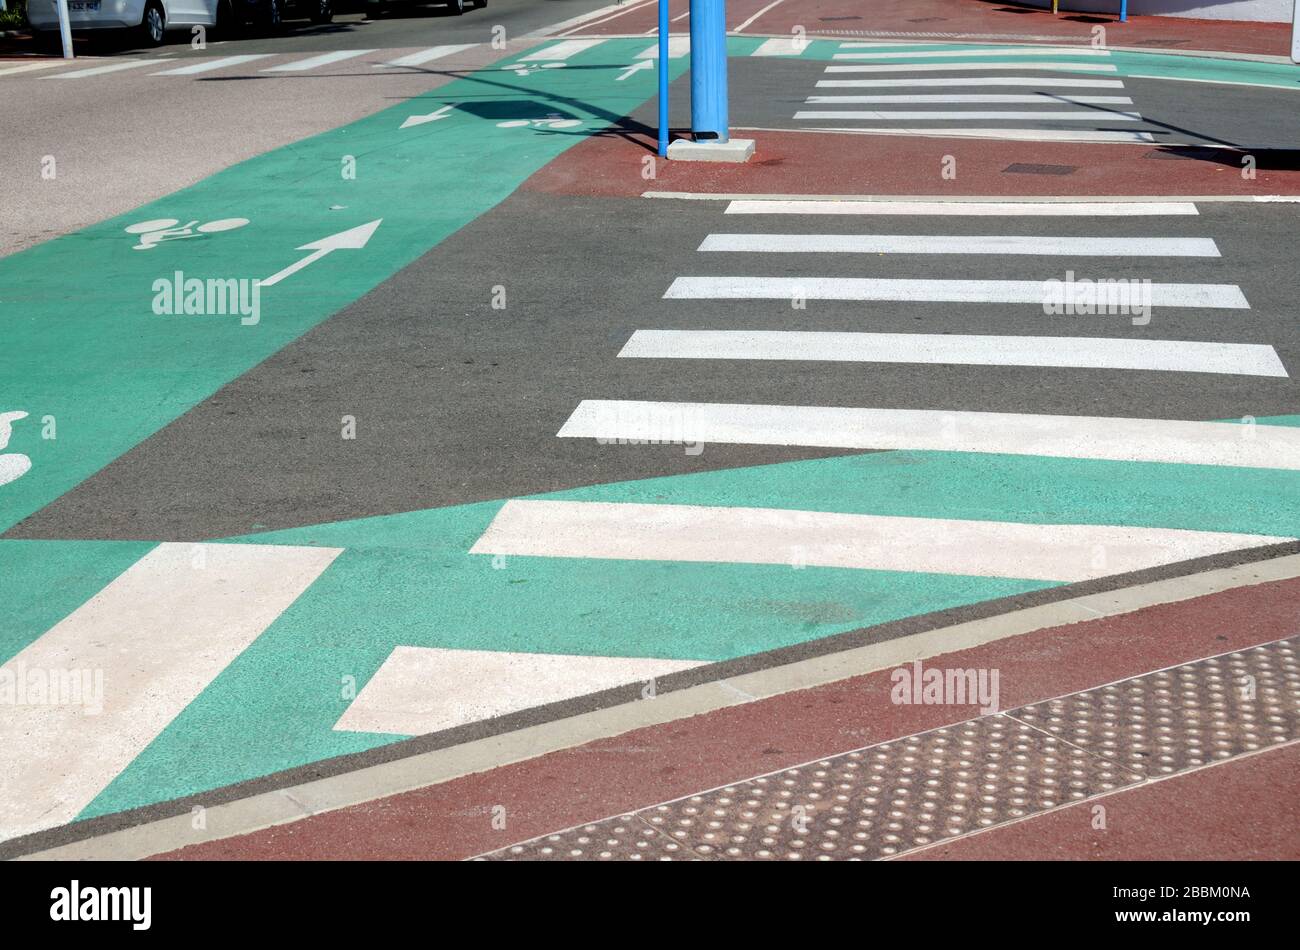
709	70
1123	11
663	77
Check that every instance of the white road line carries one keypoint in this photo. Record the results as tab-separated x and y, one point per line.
973	67
152	640
961	244
1043	82
678	46
110	68
700	533
429	55
1088	209
562	50
1081	437
1119	296
419	690
1236	359
913	115
743	26
209	65
954	53
1039	99
31	67
782	46
312	62
1008	134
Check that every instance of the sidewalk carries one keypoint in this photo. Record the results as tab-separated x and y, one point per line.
1184	763
984	20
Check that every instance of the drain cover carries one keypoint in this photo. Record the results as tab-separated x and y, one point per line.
1025	168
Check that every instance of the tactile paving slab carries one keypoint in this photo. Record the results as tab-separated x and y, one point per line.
887	799
625	838
1182	718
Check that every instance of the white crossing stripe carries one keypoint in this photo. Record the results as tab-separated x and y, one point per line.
419	690
562	50
1040	99
208	65
110	68
313	62
953	53
1043	82
149	642
1081	437
961	244
1097	209
973	67
1237	359
700	533
1121	296
429	55
1010	134
31	67
782	46
912	115
678	46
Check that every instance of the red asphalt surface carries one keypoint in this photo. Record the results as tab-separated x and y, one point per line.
1225	811
829	163
982	19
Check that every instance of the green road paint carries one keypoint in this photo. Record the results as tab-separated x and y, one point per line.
1137	64
41	582
83	343
405	579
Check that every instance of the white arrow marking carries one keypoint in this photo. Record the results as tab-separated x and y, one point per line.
431	117
351	239
643	64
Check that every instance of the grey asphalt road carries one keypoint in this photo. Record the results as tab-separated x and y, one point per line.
407	25
459	402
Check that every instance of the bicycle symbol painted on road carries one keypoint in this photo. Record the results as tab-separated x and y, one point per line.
521	70
552	121
153	233
13	465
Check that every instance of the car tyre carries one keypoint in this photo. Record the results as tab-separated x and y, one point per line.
273	16
153	24
323	11
456	7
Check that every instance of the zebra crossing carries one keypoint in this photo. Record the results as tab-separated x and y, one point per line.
894	80
269	64
932	543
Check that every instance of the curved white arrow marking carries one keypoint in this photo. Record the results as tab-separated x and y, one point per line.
433	116
351	239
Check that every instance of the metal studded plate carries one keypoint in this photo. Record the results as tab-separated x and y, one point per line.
885	800
625	838
1185	717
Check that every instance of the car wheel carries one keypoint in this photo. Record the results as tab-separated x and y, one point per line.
323	12
273	15
153	25
456	7
227	24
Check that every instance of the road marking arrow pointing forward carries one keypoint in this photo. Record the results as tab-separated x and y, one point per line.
643	64
431	117
351	239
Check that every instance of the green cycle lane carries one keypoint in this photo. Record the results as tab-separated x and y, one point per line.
90	351
407	580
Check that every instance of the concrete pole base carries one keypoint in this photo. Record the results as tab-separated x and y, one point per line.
735	150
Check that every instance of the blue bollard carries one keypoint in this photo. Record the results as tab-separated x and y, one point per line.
663	77
709	70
